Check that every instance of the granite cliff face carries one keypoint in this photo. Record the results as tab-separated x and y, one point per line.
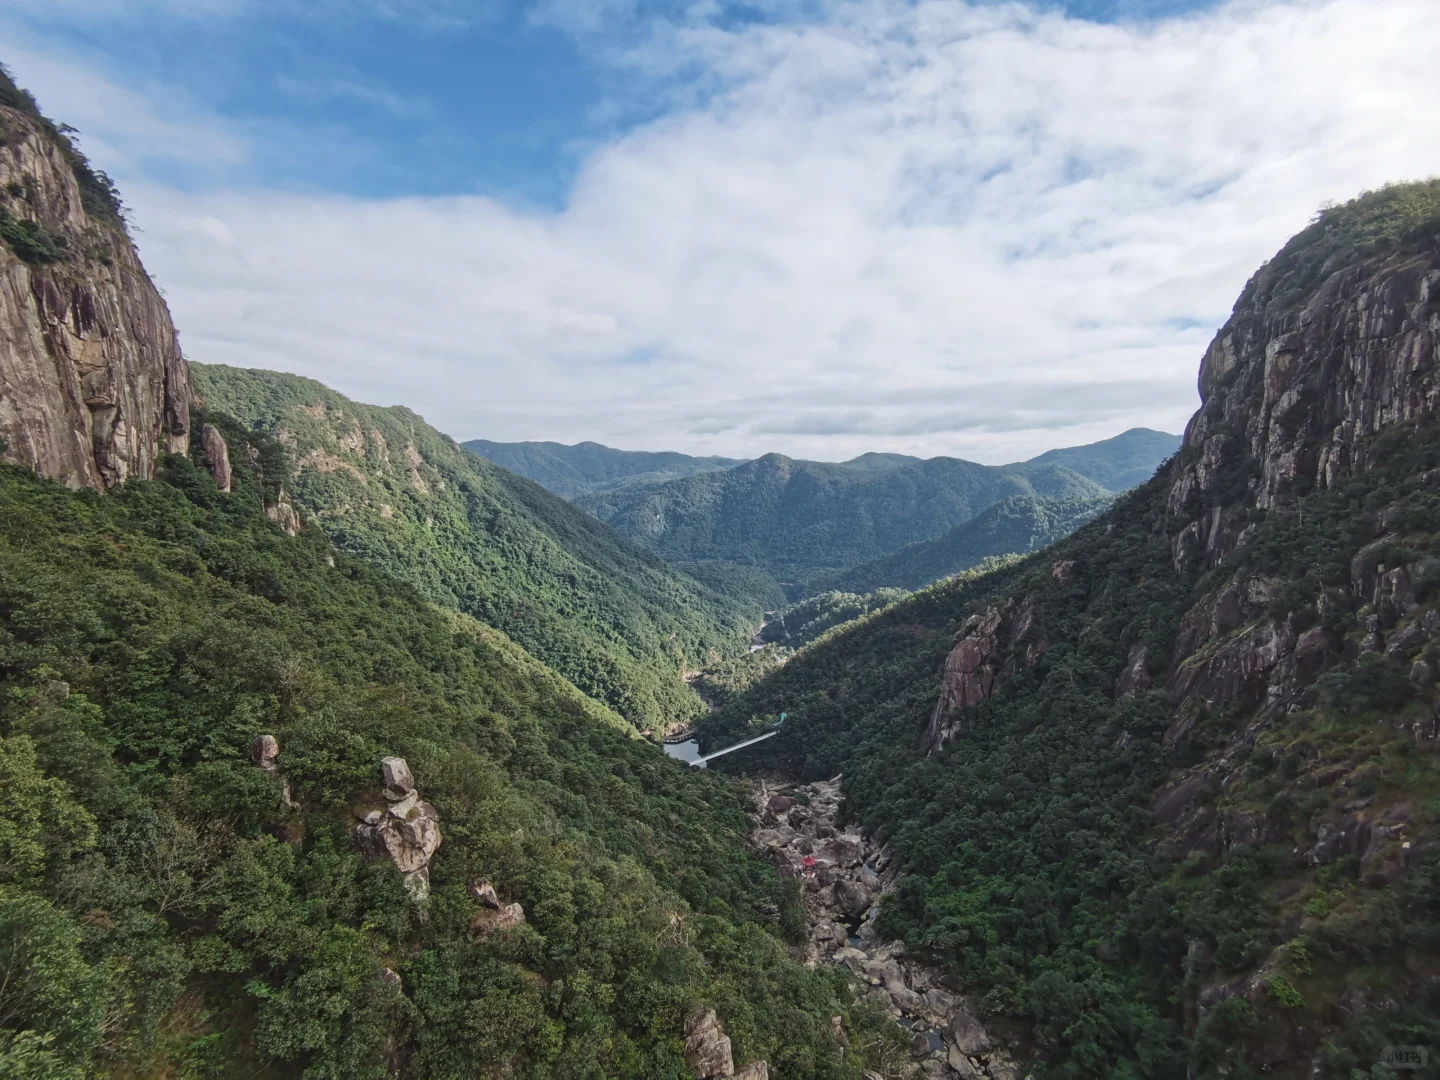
93	387
1323	352
1225	684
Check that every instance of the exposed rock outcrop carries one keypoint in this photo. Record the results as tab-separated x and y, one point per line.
283	513
969	678
93	388
844	876
263	752
1295	389
707	1047
407	831
217	455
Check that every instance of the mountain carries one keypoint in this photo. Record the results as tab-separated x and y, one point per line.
1119	463
386	486
801	520
589	467
807	520
268	810
93	387
1019	524
1166	796
181	896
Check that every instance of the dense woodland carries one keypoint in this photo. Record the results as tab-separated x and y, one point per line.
161	912
1015	526
808	523
389	488
589	467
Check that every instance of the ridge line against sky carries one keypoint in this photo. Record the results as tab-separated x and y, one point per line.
813	227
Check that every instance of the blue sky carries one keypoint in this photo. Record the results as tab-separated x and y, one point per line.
815	226
496	97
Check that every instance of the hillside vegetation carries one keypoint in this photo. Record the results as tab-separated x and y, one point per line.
387	487
1167	795
169	909
1017	525
588	467
806	521
800	520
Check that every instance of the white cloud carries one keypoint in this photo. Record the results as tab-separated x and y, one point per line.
929	228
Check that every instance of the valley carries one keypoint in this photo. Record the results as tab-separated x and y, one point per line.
333	749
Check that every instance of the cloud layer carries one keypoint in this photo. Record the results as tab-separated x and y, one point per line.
924	227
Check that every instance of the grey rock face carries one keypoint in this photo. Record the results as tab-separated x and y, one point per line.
217	455
263	752
407	832
395	778
707	1047
93	388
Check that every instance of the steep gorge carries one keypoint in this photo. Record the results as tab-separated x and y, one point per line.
1167	795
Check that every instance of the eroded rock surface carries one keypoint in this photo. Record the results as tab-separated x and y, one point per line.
843	876
93	388
407	831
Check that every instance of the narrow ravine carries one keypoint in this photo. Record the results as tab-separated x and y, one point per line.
843	876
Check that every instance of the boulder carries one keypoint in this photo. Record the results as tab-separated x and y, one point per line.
967	1034
882	973
395	778
906	1000
852	897
489	920
842	851
756	1070
963	1065
409	844
939	1002
484	892
401	810
779	804
851	958
707	1047
263	752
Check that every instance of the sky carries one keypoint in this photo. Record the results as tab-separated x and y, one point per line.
817	227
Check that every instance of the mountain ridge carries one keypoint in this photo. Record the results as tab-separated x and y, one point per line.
804	520
1166	795
470	535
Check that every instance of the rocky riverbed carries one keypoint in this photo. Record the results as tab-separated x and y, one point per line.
843	876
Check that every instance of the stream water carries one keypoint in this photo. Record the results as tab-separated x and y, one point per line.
689	750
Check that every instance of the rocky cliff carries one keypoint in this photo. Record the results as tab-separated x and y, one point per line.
1188	758
1328	346
93	387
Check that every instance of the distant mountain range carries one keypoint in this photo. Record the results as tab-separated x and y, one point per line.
1020	524
804	521
387	487
589	467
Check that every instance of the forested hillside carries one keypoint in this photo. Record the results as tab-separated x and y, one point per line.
1167	795
387	487
801	520
1017	525
587	467
808	522
1120	463
169	907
